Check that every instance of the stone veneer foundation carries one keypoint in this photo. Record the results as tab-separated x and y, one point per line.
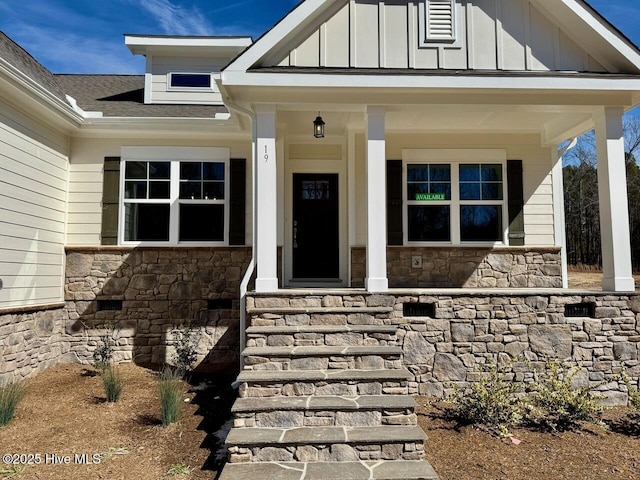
465	267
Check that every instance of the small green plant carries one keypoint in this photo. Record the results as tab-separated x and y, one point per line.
113	383
10	396
113	452
492	402
634	397
555	404
171	393
103	354
185	343
179	469
12	471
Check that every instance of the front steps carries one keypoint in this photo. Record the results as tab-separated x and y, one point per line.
324	394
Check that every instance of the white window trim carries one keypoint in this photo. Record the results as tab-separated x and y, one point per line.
190	89
423	27
455	157
175	155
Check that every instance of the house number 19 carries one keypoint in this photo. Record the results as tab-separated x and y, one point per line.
266	154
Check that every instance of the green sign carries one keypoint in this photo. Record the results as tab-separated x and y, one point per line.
430	197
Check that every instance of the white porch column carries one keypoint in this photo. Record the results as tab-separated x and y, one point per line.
614	210
267	200
376	280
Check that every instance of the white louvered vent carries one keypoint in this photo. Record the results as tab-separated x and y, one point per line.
440	20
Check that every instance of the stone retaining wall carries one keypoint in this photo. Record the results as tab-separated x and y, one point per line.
160	289
30	342
471	330
465	267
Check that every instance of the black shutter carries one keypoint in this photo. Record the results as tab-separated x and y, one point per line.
516	202
237	203
394	202
110	200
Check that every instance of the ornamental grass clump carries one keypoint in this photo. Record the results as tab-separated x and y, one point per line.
492	402
10	396
554	404
112	382
171	393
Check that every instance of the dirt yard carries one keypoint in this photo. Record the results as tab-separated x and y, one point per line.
65	413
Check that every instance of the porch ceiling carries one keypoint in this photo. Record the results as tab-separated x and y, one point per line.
551	124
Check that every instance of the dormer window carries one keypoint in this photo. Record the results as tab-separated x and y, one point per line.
190	80
439	23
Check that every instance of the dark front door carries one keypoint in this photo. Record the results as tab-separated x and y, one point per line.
316	246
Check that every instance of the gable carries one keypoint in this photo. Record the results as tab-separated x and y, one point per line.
502	35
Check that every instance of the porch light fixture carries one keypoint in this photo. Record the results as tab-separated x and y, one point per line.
318	127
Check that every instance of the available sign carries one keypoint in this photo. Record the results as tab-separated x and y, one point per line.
430	197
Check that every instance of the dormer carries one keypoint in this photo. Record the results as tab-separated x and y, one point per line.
181	70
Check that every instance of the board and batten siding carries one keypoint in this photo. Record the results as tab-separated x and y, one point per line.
537	179
161	67
493	35
86	182
33	198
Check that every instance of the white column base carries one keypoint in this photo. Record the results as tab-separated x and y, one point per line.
619	284
377	285
266	285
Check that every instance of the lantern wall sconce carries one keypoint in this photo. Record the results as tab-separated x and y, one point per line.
318	127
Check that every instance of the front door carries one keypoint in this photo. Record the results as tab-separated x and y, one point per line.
316	239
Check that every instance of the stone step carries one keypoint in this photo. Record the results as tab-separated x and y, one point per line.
288	412
329	403
380	470
271	383
318	316
315	335
326	444
315	299
322	358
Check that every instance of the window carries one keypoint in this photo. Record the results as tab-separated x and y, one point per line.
439	23
189	80
169	200
451	200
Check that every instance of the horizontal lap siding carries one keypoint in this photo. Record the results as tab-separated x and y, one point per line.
161	68
86	182
492	34
33	194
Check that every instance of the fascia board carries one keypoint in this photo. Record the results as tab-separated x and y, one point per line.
177	127
448	82
599	26
289	25
11	77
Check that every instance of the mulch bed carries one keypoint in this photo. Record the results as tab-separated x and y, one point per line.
468	453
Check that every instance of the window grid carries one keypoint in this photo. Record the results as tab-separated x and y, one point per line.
139	206
457	206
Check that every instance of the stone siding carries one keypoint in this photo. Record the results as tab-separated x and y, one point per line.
160	289
30	342
466	267
521	331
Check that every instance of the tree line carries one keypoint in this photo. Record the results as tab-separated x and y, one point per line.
582	214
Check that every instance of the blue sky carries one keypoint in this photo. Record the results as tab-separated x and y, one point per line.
85	36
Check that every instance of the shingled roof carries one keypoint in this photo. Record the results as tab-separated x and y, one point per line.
20	59
123	96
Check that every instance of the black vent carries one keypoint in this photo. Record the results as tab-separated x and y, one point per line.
419	310
220	304
580	310
109	305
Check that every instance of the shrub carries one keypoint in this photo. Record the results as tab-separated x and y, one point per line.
634	397
185	342
179	469
113	383
555	404
10	396
171	393
492	402
103	354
